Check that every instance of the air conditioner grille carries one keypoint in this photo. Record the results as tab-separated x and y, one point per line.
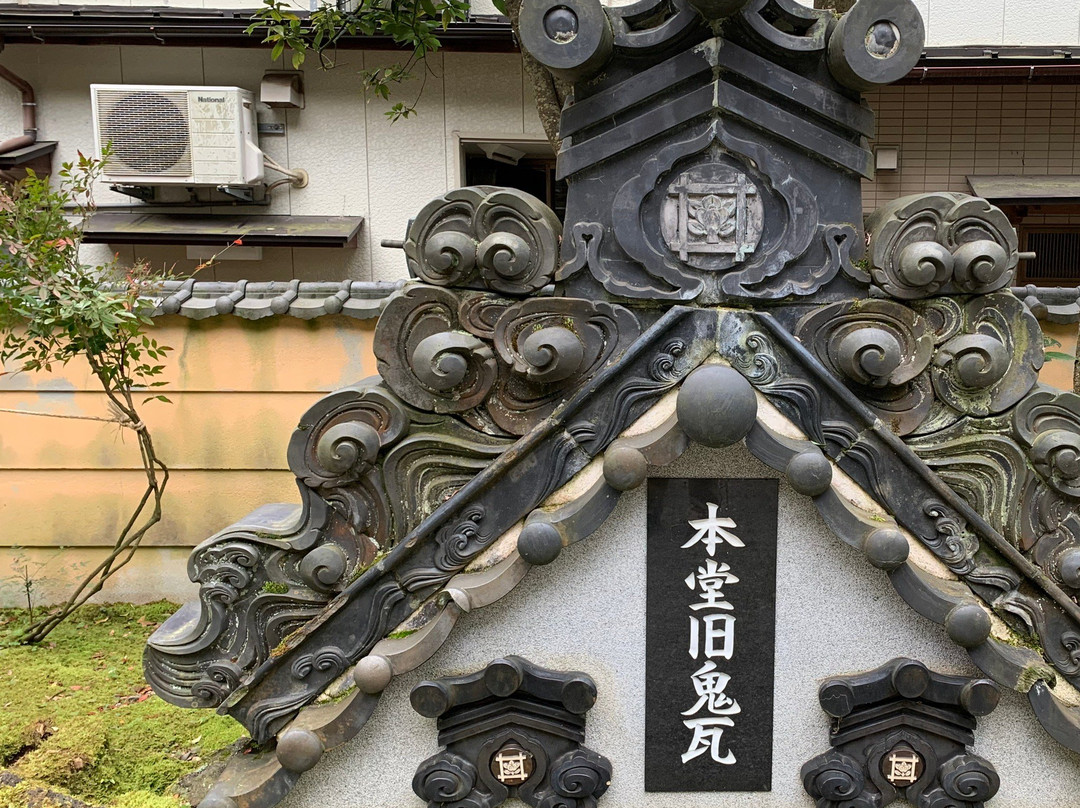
148	131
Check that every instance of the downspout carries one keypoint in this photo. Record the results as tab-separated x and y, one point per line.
29	109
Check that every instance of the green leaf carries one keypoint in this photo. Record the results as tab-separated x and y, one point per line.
1059	355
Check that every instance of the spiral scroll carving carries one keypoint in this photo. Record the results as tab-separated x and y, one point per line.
479	314
339	438
433	350
331	659
549	343
549	346
324	566
444	778
218	681
426	356
455	545
833	776
1047	424
969	778
578	779
882	349
940	243
483	237
953	542
993	361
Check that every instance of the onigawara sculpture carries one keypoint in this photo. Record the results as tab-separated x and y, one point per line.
511	730
714	151
903	732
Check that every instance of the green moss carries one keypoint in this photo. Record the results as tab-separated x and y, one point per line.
276	588
361	569
78	717
1030	675
144	799
400	635
1018	640
67	758
25	794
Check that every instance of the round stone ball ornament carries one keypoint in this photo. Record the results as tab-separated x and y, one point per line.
716	406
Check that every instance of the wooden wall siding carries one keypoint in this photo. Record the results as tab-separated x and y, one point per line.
238	390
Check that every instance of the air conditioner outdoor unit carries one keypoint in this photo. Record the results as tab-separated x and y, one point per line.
177	135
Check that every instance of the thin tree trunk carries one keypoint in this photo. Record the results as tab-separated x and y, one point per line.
129	538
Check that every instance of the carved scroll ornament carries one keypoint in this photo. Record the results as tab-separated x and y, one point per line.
943	243
484	237
494	361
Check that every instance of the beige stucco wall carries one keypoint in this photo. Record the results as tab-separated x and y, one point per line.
238	390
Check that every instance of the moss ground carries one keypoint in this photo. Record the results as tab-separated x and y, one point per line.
77	717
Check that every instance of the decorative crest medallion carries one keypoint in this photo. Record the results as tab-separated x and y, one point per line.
712	210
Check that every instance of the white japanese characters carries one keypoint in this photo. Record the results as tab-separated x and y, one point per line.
712	636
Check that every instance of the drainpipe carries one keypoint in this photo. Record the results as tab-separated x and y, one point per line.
29	108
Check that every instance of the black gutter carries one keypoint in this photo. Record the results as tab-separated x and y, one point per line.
119	25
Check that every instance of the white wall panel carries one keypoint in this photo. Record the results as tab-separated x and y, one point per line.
328	139
966	22
406	162
61	76
154	64
1036	22
483	95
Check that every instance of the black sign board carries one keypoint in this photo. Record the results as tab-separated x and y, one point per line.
710	632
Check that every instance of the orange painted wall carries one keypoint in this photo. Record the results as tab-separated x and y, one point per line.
238	390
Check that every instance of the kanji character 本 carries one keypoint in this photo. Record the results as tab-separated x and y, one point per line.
709	683
708	732
710	579
714	632
711	531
